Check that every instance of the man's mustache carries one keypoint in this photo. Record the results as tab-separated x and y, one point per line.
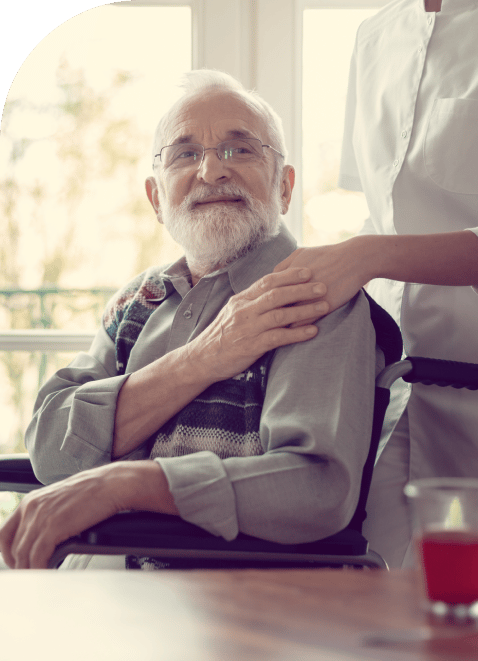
204	193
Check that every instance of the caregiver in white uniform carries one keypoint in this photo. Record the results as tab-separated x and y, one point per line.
411	144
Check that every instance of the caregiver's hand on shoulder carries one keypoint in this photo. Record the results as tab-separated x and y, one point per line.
258	319
343	268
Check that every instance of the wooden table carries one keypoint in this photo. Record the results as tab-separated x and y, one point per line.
279	615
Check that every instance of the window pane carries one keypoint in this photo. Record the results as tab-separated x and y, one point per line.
330	214
75	150
21	374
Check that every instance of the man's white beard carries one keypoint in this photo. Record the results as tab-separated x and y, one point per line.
216	235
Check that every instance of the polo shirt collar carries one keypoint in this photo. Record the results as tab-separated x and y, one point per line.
245	270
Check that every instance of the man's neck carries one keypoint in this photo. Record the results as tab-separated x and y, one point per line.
198	270
198	273
432	5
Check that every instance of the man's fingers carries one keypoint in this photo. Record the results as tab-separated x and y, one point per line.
293	316
318	312
279	337
48	516
33	546
285	263
39	554
272	281
290	295
7	537
25	534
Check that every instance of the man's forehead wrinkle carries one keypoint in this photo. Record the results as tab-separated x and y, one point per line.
182	133
220	115
232	133
182	140
235	133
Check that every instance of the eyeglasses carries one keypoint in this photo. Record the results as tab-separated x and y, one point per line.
189	154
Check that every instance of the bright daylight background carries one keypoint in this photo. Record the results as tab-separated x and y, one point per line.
329	214
75	150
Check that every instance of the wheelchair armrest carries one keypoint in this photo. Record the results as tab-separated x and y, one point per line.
146	528
432	371
149	534
16	474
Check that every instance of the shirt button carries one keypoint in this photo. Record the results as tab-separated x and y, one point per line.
396	162
429	20
404	134
188	314
420	49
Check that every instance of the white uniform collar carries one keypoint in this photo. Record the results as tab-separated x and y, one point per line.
451	6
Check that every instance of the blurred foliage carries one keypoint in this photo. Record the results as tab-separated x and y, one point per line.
72	196
8	503
70	209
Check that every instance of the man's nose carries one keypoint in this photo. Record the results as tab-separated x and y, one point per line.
212	168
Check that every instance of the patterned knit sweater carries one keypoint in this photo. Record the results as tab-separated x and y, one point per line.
225	418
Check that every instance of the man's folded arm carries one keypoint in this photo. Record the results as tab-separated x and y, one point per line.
71	429
315	429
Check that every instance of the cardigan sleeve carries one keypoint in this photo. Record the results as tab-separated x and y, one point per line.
72	426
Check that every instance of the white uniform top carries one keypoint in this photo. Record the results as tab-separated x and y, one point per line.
411	144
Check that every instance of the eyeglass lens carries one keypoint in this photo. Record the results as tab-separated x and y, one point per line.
188	154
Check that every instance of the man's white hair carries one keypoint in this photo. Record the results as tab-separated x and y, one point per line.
200	81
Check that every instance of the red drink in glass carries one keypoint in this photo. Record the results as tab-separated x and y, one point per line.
450	564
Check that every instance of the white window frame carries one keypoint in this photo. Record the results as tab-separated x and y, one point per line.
281	51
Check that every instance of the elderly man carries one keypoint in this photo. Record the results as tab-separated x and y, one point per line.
238	418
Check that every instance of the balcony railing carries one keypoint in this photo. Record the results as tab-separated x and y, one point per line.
46	341
32	348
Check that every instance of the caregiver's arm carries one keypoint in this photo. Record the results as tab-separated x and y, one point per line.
449	259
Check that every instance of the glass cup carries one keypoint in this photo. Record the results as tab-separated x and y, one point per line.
445	512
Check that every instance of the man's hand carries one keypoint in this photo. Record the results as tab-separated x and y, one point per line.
51	515
343	269
257	320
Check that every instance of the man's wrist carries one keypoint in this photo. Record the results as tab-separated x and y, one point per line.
142	486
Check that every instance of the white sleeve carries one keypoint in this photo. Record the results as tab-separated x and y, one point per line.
475	231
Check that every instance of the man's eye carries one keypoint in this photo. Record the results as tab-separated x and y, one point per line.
239	151
187	154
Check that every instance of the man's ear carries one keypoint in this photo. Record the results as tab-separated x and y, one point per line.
153	197
287	186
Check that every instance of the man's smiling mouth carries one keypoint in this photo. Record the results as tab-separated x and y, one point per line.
220	200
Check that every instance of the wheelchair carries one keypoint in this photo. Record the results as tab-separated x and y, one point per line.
180	544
